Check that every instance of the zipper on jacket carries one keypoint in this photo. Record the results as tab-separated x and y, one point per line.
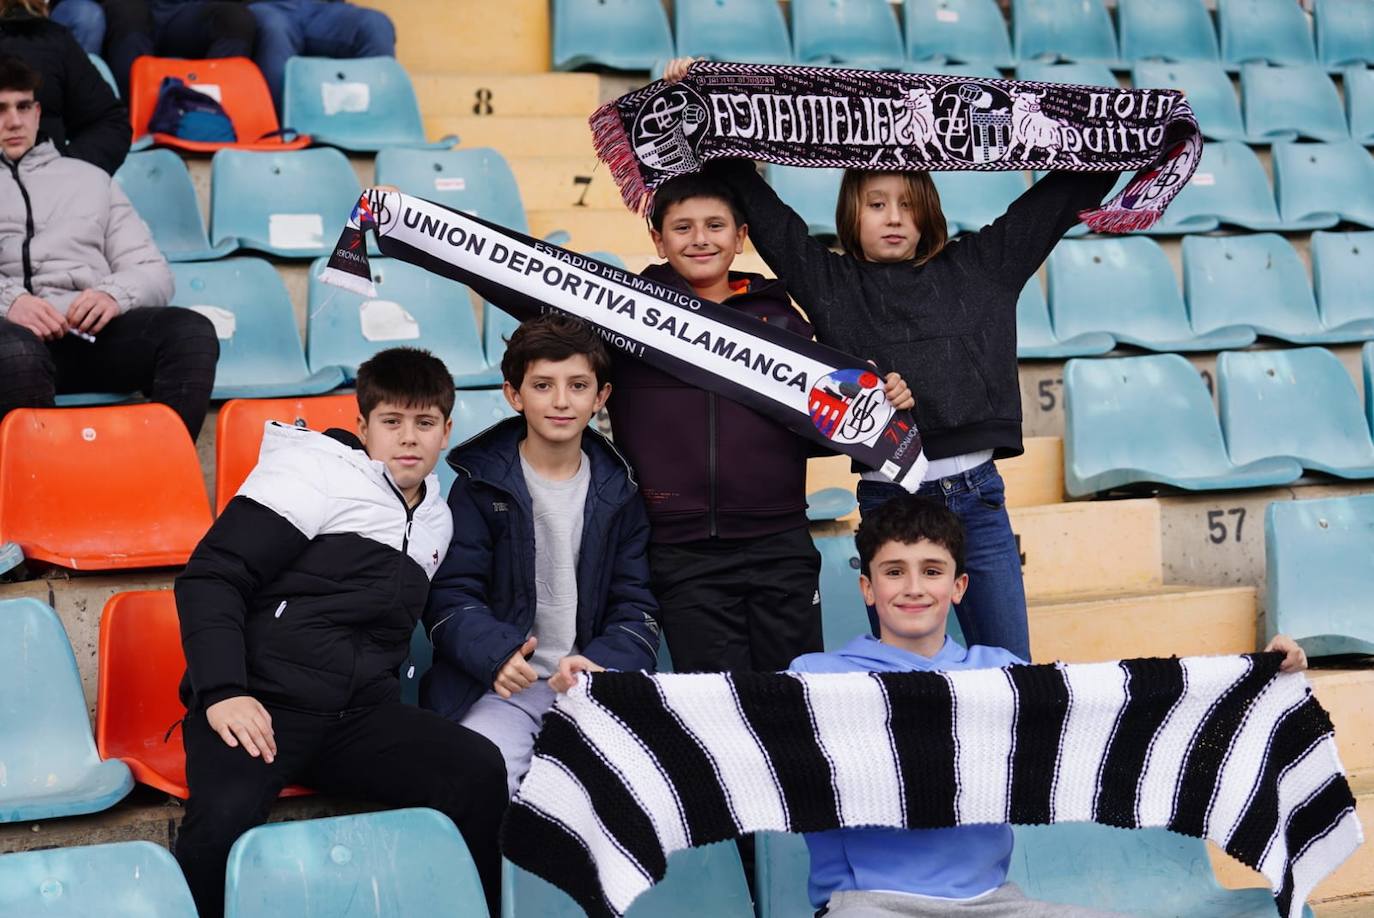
410	513
711	464
28	226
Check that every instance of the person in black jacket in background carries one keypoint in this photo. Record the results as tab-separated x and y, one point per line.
81	114
296	613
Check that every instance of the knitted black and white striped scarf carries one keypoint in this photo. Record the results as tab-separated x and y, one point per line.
860	119
630	767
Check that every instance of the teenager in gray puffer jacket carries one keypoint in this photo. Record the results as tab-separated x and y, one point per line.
83	289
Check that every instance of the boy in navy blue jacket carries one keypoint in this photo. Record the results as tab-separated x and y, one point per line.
547	574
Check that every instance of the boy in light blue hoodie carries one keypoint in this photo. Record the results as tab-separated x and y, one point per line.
911	553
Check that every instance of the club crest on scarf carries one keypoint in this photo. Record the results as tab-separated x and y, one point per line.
849	406
834	118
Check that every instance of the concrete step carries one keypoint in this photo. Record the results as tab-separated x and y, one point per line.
1352	907
501	95
592	230
552	135
1089	548
441	36
548	182
1165	621
1353	880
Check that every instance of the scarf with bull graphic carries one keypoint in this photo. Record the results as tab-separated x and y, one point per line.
826	117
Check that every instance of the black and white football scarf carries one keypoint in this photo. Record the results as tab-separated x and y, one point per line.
631	767
829	117
815	391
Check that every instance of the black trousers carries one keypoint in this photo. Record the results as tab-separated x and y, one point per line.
209	28
739	604
393	754
168	354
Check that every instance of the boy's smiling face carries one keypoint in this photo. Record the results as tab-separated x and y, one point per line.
558	398
700	239
407	440
912	586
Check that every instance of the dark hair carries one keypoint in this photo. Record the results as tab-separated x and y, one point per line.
909	519
17	76
694	185
405	376
553	336
925	205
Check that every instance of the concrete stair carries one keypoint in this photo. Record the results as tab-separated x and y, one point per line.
443	36
502	95
546	135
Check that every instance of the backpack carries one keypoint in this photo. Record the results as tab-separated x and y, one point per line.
189	114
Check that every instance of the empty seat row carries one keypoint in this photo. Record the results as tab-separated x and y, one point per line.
294	204
1235	289
634	34
1149	420
359	104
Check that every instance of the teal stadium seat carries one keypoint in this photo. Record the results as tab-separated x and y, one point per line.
1320	184
1137	420
1091	73
1035	337
1256	280
842	605
497	324
812	193
700	882
975	70
745	31
848	33
260	352
160	188
1358	83
1318	573
1209	92
394	862
1169	30
972	200
782	868
960	31
413	307
1343	277
830	504
1275	31
1144	308
1147	873
50	763
619	34
474	410
1367	361
132	879
1071	30
1345	32
1297	403
103	69
475	180
1285	103
1230	187
359	104
290	204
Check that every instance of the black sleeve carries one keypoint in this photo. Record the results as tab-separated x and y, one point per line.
1014	246
244	550
817	278
96	122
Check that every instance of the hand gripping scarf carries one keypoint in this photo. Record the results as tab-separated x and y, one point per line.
629	767
861	119
813	390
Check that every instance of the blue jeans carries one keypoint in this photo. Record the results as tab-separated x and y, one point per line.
85	19
994	608
314	28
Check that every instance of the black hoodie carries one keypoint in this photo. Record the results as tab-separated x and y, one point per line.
709	467
949	325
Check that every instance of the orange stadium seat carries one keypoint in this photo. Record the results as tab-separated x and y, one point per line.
101	488
237	85
238	434
137	707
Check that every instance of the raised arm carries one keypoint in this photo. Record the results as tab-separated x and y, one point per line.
1016	244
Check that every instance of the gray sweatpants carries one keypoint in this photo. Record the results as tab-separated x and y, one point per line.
512	724
1006	901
